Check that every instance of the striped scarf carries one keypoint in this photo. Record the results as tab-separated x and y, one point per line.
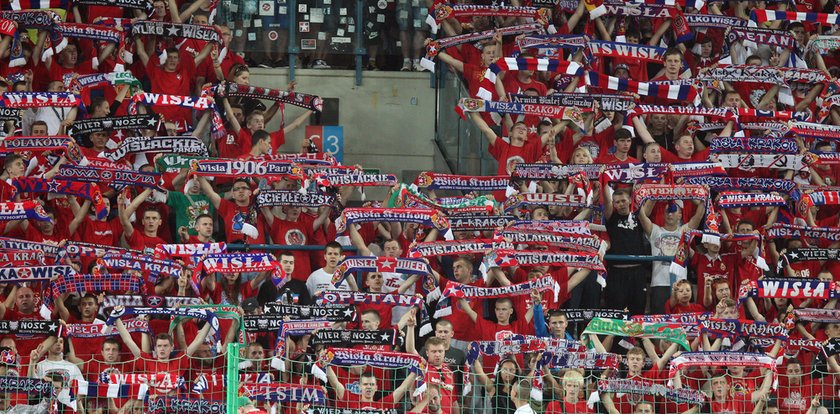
763	16
487	84
674	92
567	113
440	11
312	103
141	144
436	46
450	248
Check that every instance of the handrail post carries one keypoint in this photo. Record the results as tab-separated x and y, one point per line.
360	49
294	49
232	374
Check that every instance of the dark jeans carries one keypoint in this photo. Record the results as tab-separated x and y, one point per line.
586	295
658	296
626	288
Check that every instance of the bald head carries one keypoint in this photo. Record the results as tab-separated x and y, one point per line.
25	302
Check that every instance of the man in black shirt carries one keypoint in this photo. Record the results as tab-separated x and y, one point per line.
626	281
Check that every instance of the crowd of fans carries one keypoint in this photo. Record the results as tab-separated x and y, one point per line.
648	128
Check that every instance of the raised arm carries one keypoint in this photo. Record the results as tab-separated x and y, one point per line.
198	340
485	129
127	339
207	189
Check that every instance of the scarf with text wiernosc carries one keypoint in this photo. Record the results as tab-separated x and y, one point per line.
344	313
430	218
352	264
440	11
150	301
436	181
273	323
339	297
487	85
284	393
139	144
670	331
696	20
46	20
674	92
90	330
23	210
112	178
450	248
50	251
354	337
645	387
87	191
734	328
790	231
310	102
379	359
584	260
806	254
731	199
32	327
793	288
544	199
162	405
436	46
273	198
86	126
26	100
240	168
585	315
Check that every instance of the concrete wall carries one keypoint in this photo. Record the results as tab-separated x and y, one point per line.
389	121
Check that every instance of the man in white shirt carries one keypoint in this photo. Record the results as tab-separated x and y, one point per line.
54	364
321	279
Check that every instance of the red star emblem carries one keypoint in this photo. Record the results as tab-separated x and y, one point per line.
386	264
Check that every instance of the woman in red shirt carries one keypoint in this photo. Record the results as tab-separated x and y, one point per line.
231	289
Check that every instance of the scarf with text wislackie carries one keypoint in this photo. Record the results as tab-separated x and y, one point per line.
755	145
26	100
50	251
47	20
743	183
568	113
273	323
112	178
23	210
459	290
722	359
559	240
544	199
670	331
483	184
241	168
487	85
436	46
166	251
632	51
664	192
344	313
199	103
790	231
761	16
696	20
150	301
32	386
738	200
645	387
734	328
351	357
284	393
479	222
753	36
86	126
355	180
430	218
353	264
354	337
290	328
206	33
606	102
548	171
273	198
450	248
794	288
87	191
678	22
237	263
440	11
310	102
674	92
141	144
806	254
91	330
162	405
32	327
585	315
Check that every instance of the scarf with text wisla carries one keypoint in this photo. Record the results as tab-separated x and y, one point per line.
600	48
239	168
440	11
553	239
111	391
162	405
150	301
645	387
46	20
23	210
670	331
674	92
762	16
91	330
205	33
430	218
451	248
274	198
310	102
702	21
548	171
344	313
284	393
199	103
631	173
26	100
488	83
141	144
544	199
790	231
86	126
355	337
436	181
738	200
112	178
353	264
805	255
585	315
793	288
721	359
168	251
87	191
351	357
32	327
436	46
734	328
237	263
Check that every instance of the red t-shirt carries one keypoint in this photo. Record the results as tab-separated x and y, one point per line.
178	82
298	232
104	232
278	138
233	217
354	402
563	407
508	155
140	241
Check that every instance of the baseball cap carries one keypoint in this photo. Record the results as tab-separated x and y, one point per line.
243	401
250	304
